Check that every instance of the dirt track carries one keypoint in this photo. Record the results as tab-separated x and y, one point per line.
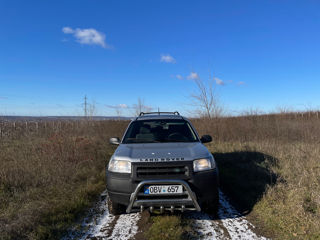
229	225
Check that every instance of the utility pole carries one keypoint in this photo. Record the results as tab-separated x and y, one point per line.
85	106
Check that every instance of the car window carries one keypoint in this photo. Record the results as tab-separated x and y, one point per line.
150	131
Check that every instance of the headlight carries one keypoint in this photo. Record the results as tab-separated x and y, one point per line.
120	166
203	164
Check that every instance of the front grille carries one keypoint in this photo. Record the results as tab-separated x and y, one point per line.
162	171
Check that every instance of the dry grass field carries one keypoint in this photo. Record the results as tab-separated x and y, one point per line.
269	168
50	176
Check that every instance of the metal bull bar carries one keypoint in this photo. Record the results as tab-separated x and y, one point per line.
159	202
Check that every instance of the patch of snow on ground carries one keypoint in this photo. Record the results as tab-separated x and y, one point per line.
126	226
237	226
103	227
204	228
98	226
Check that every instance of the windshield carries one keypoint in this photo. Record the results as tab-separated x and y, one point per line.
152	131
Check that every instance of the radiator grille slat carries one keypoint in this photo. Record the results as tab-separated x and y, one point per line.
158	171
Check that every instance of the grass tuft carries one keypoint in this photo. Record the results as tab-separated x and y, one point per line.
165	228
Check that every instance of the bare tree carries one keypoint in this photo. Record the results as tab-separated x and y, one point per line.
140	107
206	99
85	106
91	110
118	111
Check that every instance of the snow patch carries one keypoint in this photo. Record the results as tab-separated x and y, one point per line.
230	225
237	226
203	227
126	226
103	225
99	224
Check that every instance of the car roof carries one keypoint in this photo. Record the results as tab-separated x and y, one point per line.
155	117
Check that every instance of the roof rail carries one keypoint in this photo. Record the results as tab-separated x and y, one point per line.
159	113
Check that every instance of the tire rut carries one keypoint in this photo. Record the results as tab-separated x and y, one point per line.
229	225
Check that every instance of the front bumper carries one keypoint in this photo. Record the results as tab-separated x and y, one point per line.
199	187
188	200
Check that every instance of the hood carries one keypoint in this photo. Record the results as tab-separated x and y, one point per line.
161	152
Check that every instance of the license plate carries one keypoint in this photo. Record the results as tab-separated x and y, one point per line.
163	189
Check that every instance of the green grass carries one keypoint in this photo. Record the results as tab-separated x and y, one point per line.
165	228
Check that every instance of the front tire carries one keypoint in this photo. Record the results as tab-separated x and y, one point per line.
114	208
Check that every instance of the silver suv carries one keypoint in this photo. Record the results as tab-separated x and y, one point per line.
161	164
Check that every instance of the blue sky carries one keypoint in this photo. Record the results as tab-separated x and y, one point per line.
53	53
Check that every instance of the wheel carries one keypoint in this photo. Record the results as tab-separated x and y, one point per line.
211	207
114	208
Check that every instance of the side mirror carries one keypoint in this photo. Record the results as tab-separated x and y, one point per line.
206	139
114	141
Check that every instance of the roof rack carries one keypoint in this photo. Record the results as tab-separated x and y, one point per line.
159	113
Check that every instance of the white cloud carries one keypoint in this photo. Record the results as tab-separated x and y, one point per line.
241	83
193	76
167	58
179	77
88	36
67	30
121	105
219	81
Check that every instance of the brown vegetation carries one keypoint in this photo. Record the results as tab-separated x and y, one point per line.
269	167
49	176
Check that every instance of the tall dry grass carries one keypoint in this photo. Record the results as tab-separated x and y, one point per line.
270	167
50	176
